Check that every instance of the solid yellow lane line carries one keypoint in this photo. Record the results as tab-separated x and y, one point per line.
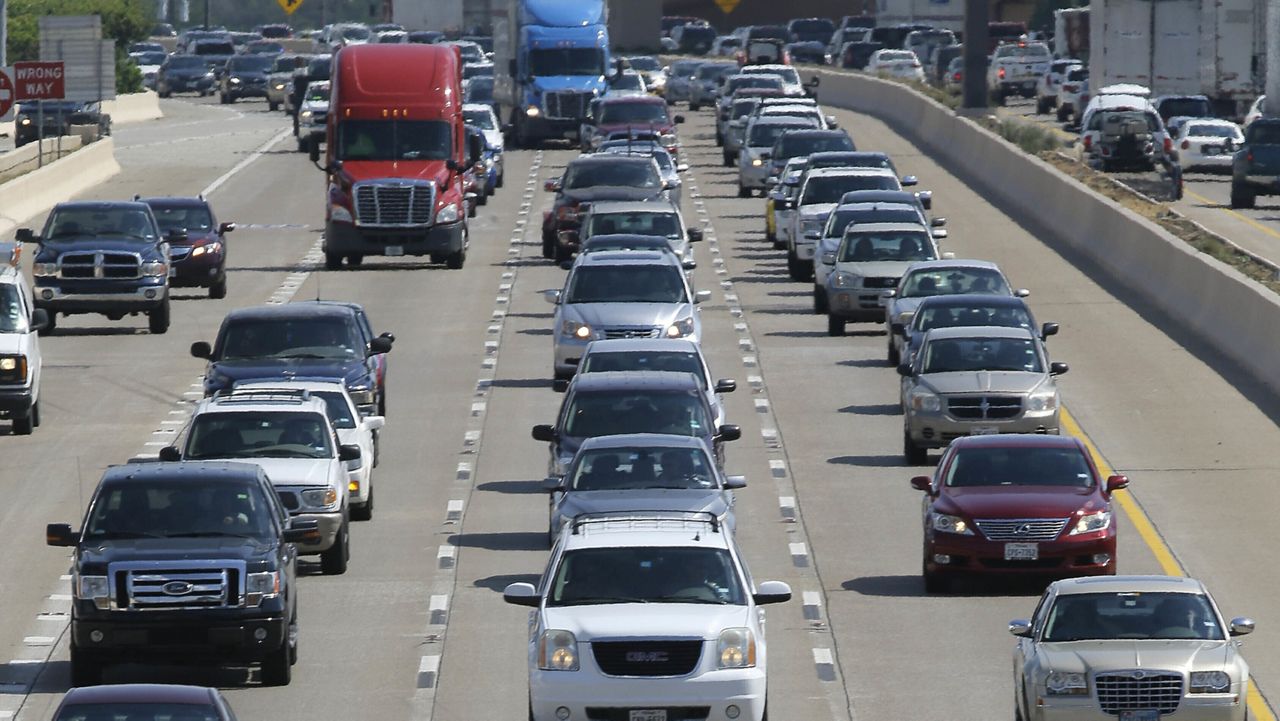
1259	710
1238	216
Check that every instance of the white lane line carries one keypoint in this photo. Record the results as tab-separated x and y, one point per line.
799	554
453	511
428	670
439	609
762	405
787	506
446	555
38	641
464	471
777	468
471	438
812	605
770	436
756	383
477	409
262	150
824	664
749	361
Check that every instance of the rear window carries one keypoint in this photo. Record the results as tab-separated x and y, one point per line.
1189	107
1264	133
1213	131
792	146
831	189
767	31
204	48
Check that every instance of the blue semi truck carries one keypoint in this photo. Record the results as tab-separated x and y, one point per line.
551	58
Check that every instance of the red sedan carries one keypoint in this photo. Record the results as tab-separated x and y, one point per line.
1017	504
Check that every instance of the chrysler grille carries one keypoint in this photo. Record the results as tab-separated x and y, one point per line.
985	407
632	332
567	105
1021	529
382	204
166	586
1139	690
117	266
647	658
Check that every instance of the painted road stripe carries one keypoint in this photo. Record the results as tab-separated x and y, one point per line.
799	554
439	608
428	669
453	511
825	664
812	605
787	506
778	468
464	471
446	555
762	405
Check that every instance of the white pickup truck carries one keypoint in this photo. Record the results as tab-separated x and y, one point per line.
1016	69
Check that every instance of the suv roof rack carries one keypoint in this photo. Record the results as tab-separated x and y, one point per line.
265	395
707	517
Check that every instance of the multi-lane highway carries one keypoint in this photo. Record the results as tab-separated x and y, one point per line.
417	628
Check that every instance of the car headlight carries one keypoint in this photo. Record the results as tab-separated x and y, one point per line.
950	524
260	586
905	317
14	367
207	249
533	112
846	280
1063	683
736	648
339	214
306	114
44	270
557	651
574	329
681	328
24	121
1091	522
155	268
279	86
922	400
209	74
756	162
1042	402
235	81
320	498
812	225
448	213
1210	682
96	589
361	395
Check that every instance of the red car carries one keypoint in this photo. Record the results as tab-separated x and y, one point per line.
1017	504
197	243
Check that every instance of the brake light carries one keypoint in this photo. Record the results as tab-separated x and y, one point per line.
1069	88
1186	145
1000	73
1088	142
1168	145
1249	157
956	77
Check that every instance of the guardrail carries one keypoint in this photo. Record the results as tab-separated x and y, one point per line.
35	192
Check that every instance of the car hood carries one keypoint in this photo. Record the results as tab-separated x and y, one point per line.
816	210
876	269
601	315
294	471
664	499
1020	501
169	549
1085	656
649	620
983	381
223	373
906	305
606	128
609	192
313	106
431	170
13	343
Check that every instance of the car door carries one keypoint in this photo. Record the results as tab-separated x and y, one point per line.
1026	659
34	363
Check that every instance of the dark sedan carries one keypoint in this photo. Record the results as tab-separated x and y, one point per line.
184	74
144	702
245	76
197	243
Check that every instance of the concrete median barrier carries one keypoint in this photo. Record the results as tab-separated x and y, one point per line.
1215	303
27	196
133	108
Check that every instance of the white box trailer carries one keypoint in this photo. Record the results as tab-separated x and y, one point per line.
429	14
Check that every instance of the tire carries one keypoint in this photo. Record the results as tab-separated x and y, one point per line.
22	426
218	289
797	268
273	105
1242	197
35	414
85	669
333	562
915	455
719	139
744	192
165	94
51	326
355	260
694	107
276	669
820	306
455	261
1063	115
548	246
332	261
562	254
835	326
893	355
158	319
933	583
364	511
1042	106
501	179
222	98
304	145
728	160
471	209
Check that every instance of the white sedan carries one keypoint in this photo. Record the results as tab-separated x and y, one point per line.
1207	144
899	64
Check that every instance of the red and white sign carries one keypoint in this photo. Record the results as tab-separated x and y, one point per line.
39	80
6	94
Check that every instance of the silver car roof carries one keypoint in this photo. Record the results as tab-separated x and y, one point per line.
980	331
1128	584
633	206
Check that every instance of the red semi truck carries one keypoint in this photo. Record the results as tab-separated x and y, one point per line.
395	155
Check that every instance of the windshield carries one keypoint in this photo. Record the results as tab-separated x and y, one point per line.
627	284
1003	315
607	413
1115	616
318	94
752	81
482	119
190	219
395	140
185	507
648	360
897	56
950	281
831	188
763	135
665	224
355	32
266	48
626	81
854	160
618	113
249	64
712	72
743	107
12	318
816	28
151	58
1009	466
470	53
767	31
566	61
615	469
891	245
645	63
478	90
476	70
1213	131
840	220
684	68
291	338
126	223
259	434
807	145
599	243
340	413
631	175
215	49
951	355
185	62
1190	107
1264	133
787	75
646	574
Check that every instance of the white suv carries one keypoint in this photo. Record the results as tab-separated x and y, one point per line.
289	434
646	616
20	321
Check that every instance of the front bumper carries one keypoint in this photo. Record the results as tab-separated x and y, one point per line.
975	555
202	637
15	402
137	299
181	85
589	694
860	305
937	430
751	175
330	525
1197	707
247	91
199	271
440	239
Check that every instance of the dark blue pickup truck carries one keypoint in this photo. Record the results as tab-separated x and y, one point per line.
1255	167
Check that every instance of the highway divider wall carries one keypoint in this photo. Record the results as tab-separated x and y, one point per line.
133	107
1236	316
39	190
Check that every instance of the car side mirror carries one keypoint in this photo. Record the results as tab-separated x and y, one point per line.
701	296
937	222
1241	626
226	227
829	258
348	452
926	199
375	423
939	233
904	370
552	296
832	123
568	237
521	594
560	385
544	432
771	592
1020	627
170	454
39	319
679	119
898	328
814	81
694	235
553	484
922	483
1021	293
909	180
552	186
728	433
60	534
379	345
1048	329
726	385
26	235
201	349
734	483
1057	368
302	530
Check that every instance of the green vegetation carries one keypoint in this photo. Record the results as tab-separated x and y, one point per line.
1028	136
125	21
242	15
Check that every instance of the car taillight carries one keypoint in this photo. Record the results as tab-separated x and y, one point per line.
1186	145
1168	145
1248	157
1069	88
916	65
1000	73
1088	142
956	77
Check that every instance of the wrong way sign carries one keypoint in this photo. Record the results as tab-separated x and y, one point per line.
40	80
7	96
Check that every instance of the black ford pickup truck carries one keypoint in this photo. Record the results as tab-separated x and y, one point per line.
102	257
181	563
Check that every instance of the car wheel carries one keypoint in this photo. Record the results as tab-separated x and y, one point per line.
1063	114
332	261
933	583
165	94
158	319
694	107
894	357
501	179
455	261
1241	197
728	160
51	326
218	289
276	669
333	562
835	326
743	191
548	245
719	139
819	300
304	145
23	425
562	254
35	414
364	511
273	106
797	268
355	260
916	455
222	98
86	670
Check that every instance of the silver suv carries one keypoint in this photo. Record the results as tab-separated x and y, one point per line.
633	217
977	381
870	260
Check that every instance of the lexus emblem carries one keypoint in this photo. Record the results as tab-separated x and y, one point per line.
1023	530
177	588
648	657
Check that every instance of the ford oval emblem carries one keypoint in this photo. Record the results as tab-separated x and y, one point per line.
177	588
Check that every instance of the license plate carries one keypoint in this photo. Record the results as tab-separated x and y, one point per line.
1029	84
1211	150
1143	715
1021	552
648	714
395	250
976	430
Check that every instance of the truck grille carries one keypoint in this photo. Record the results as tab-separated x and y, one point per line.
985	407
101	265
1139	690
165	586
567	104
647	658
1021	529
631	332
394	204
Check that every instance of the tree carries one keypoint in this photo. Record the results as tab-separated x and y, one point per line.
124	21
